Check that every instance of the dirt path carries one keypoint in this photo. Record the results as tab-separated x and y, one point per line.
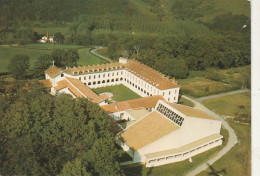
232	140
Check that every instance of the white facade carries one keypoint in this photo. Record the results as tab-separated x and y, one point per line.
194	136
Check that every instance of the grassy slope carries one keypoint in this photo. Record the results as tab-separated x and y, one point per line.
179	168
237	160
50	46
199	87
218	7
6	53
219	105
120	92
88	59
186	102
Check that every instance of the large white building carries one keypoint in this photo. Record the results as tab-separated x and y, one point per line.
136	76
157	130
170	133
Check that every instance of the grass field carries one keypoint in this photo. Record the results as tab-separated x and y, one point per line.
231	105
199	87
186	102
176	169
120	92
103	52
50	46
6	53
237	161
88	59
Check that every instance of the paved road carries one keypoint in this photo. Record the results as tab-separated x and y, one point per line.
93	51
232	140
222	94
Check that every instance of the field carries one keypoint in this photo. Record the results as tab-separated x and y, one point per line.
237	160
239	105
120	92
103	52
175	169
199	87
186	102
50	46
7	52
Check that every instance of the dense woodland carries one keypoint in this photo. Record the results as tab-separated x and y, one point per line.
45	135
193	35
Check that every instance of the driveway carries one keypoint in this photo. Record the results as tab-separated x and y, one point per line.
232	140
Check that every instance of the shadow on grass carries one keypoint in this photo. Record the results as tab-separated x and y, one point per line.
214	172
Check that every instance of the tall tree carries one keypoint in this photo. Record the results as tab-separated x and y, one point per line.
19	66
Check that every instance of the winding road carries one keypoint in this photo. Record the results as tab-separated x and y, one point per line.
232	140
93	51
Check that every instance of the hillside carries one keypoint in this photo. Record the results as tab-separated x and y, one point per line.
198	33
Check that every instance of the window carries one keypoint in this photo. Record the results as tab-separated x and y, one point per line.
89	77
80	78
104	75
113	74
121	72
163	93
99	76
169	92
84	77
94	76
62	75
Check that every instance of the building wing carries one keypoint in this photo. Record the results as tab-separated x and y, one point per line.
148	129
145	102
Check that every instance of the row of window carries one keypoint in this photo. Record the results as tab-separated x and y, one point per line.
104	81
178	155
170	114
101	75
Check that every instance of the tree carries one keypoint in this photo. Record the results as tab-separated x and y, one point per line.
71	57
19	66
43	62
59	38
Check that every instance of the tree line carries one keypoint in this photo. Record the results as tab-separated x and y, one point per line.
45	135
19	65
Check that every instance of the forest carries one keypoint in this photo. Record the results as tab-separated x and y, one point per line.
193	35
45	135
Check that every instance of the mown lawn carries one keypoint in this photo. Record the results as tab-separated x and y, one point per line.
120	92
176	169
199	87
186	102
237	161
86	58
50	46
6	53
237	105
103	52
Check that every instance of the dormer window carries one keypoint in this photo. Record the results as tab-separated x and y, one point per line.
61	75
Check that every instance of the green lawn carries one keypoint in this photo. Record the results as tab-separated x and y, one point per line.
6	53
120	92
238	160
103	52
49	46
88	59
178	168
199	87
237	105
186	102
